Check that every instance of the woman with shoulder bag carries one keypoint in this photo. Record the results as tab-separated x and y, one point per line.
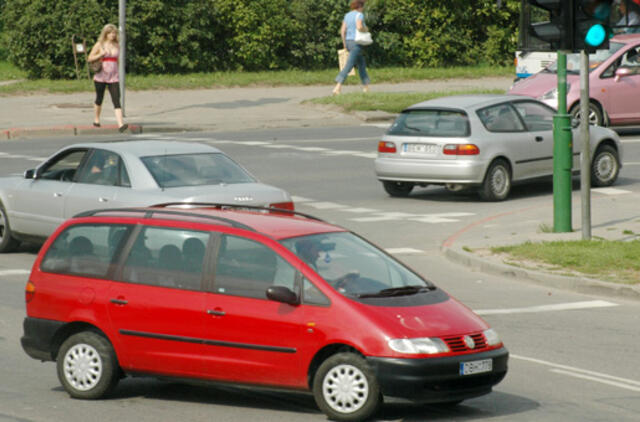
107	50
353	22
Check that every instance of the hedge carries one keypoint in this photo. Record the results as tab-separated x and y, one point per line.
180	36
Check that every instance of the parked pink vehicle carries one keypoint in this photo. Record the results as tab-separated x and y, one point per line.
614	83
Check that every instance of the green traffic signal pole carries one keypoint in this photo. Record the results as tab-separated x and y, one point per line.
562	154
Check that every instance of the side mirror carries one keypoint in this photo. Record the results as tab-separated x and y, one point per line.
622	72
282	294
30	174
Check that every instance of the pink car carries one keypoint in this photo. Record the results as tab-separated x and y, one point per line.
614	83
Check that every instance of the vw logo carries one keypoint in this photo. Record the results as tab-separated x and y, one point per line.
243	198
469	342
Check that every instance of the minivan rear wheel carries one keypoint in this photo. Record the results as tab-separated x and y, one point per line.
397	189
346	389
87	366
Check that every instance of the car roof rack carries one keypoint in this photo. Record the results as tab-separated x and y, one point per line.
240	207
149	214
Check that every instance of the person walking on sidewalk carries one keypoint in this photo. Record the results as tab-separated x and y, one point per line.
107	51
352	22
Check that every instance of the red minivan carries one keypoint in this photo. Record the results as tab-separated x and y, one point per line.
250	297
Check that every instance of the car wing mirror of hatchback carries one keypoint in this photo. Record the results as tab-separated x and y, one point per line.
622	72
282	294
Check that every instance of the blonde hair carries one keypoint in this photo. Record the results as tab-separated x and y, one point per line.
108	28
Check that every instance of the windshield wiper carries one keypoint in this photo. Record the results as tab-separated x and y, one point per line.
399	291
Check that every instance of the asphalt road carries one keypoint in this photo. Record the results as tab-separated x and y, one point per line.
573	356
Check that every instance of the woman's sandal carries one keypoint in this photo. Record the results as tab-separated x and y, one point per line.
336	91
123	128
96	124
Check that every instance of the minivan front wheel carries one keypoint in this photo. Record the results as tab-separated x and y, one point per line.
595	115
87	366
345	388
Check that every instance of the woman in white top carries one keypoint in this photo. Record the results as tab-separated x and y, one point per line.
352	22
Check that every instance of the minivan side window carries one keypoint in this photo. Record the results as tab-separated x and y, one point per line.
167	257
85	249
247	268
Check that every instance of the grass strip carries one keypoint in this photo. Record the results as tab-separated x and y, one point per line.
608	260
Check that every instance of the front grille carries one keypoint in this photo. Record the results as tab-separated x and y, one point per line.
456	344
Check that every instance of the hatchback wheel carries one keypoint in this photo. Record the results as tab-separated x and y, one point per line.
345	388
397	189
7	242
497	182
87	366
595	114
605	166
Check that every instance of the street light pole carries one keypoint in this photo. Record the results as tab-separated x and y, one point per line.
122	6
585	155
562	154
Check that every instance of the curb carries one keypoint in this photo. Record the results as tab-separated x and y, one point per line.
576	284
72	130
375	116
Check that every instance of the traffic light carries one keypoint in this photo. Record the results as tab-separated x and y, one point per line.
546	25
591	24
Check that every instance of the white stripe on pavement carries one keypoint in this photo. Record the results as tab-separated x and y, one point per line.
548	308
400	251
611	191
14	272
596	379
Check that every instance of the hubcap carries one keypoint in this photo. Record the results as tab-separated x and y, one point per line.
345	389
82	367
499	181
605	167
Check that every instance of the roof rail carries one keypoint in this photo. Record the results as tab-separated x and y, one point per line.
240	207
149	214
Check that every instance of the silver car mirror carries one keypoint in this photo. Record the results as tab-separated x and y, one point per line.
30	174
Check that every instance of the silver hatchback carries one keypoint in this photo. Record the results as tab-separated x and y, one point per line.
485	142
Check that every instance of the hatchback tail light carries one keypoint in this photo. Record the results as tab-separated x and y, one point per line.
29	292
283	206
387	147
460	149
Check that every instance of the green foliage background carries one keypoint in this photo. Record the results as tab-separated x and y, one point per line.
180	36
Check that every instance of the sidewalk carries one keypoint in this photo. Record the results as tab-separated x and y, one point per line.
221	109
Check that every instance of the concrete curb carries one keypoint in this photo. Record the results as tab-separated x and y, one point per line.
375	116
576	284
72	130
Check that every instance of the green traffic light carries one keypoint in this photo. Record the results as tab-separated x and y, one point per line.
595	35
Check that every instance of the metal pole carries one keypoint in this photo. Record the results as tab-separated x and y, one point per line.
562	154
585	155
122	6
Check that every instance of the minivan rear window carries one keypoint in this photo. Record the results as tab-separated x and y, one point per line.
447	123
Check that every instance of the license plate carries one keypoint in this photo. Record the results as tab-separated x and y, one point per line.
476	367
421	148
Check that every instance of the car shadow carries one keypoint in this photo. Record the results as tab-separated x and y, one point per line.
495	404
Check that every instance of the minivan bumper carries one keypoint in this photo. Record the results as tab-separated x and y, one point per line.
434	380
37	340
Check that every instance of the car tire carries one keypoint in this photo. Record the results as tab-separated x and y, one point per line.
605	166
7	242
87	366
397	189
497	182
346	389
596	117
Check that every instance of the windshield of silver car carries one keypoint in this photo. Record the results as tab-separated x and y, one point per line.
195	170
447	123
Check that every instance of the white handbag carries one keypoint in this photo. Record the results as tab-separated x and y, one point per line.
363	38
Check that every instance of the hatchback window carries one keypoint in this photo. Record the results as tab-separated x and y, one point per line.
536	117
248	268
195	170
85	249
167	257
353	266
500	118
447	123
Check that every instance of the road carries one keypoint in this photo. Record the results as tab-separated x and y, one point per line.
573	356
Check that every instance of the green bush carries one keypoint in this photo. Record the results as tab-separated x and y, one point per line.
177	36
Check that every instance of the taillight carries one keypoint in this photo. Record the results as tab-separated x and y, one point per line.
460	149
29	292
387	147
283	206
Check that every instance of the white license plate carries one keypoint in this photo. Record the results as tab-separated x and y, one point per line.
421	148
476	367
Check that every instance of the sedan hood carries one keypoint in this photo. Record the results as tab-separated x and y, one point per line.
237	193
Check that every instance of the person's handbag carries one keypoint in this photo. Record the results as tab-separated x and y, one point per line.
363	38
343	55
95	66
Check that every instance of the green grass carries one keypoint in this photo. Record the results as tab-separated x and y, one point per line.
243	79
391	102
603	259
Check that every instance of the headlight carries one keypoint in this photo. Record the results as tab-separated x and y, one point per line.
429	346
553	94
492	337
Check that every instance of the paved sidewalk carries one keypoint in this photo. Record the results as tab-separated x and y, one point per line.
204	109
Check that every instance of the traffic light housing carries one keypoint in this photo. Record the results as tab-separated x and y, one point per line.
591	24
546	25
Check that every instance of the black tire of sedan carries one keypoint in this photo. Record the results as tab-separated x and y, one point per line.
497	182
397	189
87	366
595	114
345	388
605	166
7	242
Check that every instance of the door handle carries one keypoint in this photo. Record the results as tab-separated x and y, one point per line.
57	194
101	199
539	139
216	312
119	301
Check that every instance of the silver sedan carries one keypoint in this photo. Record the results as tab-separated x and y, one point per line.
87	176
484	142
